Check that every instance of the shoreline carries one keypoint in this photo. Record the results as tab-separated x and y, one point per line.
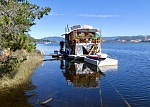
23	73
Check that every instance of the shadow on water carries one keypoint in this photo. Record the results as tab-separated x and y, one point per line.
16	97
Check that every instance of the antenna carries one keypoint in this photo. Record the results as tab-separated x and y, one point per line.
101	31
67	28
101	39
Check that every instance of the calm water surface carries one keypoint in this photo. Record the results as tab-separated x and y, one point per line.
78	84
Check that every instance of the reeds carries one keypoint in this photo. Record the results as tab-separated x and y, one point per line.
23	73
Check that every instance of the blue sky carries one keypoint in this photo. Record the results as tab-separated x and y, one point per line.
113	17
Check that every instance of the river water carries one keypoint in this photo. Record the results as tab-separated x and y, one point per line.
78	84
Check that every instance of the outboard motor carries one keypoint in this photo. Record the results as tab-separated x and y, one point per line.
62	47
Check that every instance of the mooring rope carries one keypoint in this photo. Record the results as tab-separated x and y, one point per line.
100	91
120	94
72	60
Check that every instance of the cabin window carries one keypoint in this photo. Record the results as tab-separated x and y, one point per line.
97	35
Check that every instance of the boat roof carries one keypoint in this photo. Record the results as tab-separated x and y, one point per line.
84	28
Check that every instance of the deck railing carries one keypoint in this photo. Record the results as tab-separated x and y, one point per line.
87	40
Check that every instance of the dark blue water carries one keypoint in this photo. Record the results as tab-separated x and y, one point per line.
78	84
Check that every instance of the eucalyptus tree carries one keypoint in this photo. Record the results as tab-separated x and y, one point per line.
16	18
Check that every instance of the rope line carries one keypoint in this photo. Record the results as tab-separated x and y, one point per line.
101	95
120	94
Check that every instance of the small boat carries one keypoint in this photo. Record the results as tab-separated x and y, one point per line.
47	42
101	60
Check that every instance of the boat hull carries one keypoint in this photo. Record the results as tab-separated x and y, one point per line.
101	62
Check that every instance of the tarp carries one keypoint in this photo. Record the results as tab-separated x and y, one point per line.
79	50
87	47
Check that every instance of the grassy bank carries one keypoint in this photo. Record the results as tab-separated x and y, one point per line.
24	71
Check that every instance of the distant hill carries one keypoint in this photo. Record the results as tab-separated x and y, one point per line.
55	38
139	38
110	38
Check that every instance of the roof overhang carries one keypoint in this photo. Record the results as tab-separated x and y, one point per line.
82	30
78	28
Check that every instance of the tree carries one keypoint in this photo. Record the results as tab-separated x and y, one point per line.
16	18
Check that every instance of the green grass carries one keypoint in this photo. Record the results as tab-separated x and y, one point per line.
23	73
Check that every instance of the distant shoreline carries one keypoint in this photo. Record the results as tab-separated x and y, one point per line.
115	39
124	42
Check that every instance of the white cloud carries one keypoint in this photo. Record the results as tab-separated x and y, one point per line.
84	15
56	14
98	16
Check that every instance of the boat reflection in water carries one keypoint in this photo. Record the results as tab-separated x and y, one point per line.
81	74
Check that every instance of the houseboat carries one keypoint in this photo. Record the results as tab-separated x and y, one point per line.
84	42
81	41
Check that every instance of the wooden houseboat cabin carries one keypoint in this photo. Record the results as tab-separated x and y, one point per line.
82	40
